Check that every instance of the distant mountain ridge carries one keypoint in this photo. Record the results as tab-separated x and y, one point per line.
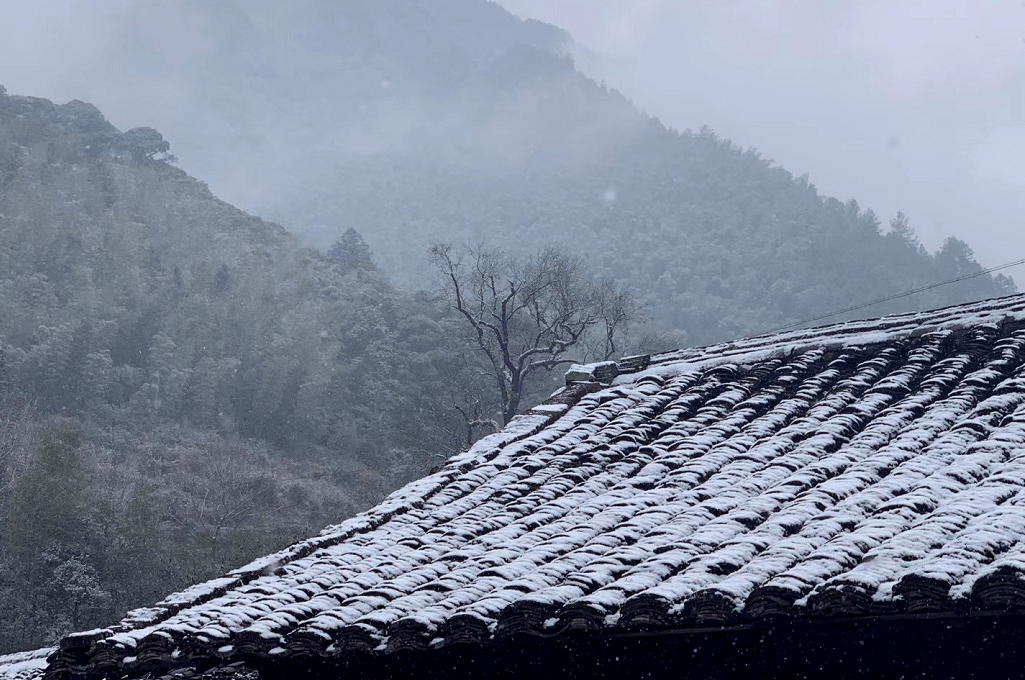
413	122
263	84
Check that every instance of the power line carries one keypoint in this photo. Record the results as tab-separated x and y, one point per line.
898	296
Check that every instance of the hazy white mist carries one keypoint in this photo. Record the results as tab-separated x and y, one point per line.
914	105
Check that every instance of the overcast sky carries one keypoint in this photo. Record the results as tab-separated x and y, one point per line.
913	105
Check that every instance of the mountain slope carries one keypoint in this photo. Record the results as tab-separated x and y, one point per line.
182	385
414	122
719	241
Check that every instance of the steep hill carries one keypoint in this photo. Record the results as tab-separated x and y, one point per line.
719	241
182	385
414	122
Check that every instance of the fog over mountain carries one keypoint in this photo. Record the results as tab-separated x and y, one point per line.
258	97
913	106
416	121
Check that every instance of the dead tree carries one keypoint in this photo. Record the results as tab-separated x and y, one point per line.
529	314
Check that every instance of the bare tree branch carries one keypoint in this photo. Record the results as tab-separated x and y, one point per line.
526	314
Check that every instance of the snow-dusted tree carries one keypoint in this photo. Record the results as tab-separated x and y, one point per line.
530	314
146	144
901	230
351	253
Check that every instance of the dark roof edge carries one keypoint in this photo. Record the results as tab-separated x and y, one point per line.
402	500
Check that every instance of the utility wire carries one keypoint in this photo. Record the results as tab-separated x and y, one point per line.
898	296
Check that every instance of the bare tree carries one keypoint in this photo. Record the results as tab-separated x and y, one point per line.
220	493
529	314
19	439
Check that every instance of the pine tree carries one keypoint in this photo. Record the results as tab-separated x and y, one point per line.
351	253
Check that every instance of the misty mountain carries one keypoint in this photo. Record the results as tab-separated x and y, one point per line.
415	122
183	386
719	241
243	106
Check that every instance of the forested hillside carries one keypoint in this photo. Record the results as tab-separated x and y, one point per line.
718	241
415	121
182	386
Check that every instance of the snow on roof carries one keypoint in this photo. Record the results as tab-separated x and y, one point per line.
24	665
865	468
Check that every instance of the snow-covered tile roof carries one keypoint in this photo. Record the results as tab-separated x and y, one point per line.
869	468
24	665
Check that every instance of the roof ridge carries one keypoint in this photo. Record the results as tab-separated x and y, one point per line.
876	331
